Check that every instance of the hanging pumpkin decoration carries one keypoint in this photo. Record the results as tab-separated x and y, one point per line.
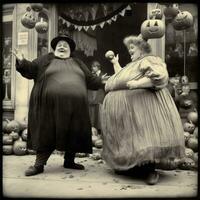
156	14
171	11
37	7
152	29
19	147
184	80
28	20
42	26
183	20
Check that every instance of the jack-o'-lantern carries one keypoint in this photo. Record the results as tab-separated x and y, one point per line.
28	20
19	147
184	80
156	14
42	26
152	29
171	11
188	127
183	20
37	7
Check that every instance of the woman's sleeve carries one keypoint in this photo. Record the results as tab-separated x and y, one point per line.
154	68
92	82
27	68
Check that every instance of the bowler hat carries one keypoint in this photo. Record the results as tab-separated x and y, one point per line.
66	38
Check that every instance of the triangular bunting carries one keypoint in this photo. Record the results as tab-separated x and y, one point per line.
122	13
128	7
86	27
109	21
102	24
75	26
93	27
114	18
79	28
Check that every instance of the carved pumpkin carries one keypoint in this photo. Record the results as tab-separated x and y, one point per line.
187	164
185	102
19	147
28	20
7	149
152	29
183	20
14	135
184	80
37	7
109	55
189	153
188	127
168	164
7	139
171	11
156	14
13	125
192	143
195	133
185	90
24	134
42	26
187	135
193	117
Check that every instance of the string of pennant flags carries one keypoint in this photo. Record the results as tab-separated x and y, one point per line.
93	27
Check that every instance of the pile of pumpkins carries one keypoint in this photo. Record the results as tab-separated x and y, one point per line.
186	103
97	143
29	20
14	137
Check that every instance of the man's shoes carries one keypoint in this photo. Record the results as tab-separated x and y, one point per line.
34	170
73	165
152	178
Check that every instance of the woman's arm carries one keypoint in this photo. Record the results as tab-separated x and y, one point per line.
115	62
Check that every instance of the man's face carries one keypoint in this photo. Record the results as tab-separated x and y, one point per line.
62	49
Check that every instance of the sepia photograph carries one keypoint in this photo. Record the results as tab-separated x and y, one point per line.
99	99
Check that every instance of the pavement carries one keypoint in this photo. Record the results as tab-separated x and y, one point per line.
96	181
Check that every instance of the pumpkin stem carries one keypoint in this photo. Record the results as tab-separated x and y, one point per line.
28	9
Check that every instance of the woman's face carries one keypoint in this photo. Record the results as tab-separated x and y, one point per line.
62	49
134	51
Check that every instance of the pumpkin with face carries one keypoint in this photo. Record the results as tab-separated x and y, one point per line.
171	11
20	147
28	20
152	29
183	20
156	14
41	26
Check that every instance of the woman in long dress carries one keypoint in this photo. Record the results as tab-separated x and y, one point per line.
140	122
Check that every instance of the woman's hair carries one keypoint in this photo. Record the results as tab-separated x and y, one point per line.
138	41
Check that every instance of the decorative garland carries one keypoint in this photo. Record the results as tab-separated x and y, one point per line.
98	22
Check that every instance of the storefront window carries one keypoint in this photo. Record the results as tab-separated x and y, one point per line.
181	47
8	75
7	60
